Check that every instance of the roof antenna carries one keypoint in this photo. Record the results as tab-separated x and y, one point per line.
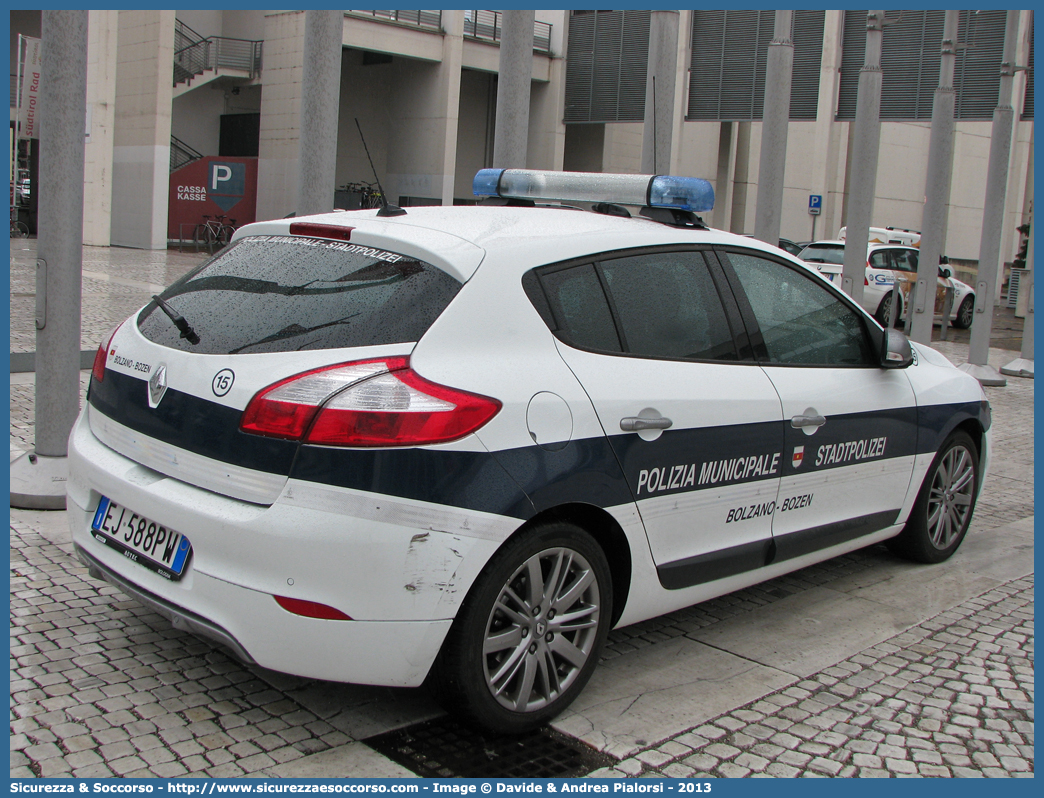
387	209
654	123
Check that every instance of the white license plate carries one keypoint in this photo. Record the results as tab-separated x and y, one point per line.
142	540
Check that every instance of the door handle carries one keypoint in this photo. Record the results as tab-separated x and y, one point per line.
636	424
800	422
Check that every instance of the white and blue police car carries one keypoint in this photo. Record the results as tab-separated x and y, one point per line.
458	445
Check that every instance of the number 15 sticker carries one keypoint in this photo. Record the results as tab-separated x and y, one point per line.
223	382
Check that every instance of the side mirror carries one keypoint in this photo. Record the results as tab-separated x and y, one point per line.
896	352
945	273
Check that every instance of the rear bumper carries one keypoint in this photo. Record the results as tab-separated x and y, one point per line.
388	567
179	618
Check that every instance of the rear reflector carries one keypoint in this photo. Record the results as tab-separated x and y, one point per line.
311	609
367	403
313	230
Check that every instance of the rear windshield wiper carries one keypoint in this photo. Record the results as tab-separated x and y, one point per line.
178	319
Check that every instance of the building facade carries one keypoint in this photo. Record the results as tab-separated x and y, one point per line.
166	88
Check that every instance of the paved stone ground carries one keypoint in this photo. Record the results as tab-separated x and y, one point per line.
950	697
102	686
116	282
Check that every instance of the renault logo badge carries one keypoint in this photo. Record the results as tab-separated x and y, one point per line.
157	385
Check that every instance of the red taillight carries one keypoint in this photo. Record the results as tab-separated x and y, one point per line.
367	403
313	230
102	355
311	609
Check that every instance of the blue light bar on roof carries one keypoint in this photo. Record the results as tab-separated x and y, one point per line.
657	191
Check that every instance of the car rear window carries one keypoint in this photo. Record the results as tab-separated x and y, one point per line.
288	293
823	253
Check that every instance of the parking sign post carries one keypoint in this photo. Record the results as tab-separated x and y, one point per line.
815	207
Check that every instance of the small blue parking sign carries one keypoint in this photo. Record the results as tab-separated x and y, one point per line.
815	204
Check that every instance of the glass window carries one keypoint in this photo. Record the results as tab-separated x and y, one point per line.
824	253
667	306
880	260
802	322
289	293
580	308
905	260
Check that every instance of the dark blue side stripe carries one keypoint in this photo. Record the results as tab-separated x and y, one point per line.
189	422
468	480
514	482
852	438
693	449
936	422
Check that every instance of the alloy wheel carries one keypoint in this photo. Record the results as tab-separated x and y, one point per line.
950	497
542	630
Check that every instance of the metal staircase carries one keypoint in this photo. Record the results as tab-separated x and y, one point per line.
199	60
181	154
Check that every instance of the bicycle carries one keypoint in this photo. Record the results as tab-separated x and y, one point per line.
213	231
19	229
369	195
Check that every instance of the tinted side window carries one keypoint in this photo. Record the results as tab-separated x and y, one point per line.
802	322
905	260
880	260
667	306
580	308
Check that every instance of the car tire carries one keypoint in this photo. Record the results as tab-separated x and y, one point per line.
884	308
943	511
965	314
519	653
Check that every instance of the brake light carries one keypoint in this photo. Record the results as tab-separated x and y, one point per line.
379	402
102	355
314	230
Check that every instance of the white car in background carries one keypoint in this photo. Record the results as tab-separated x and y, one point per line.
888	235
886	265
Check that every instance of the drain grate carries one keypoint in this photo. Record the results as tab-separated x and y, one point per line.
445	748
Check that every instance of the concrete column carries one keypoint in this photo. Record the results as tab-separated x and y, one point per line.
449	102
658	130
993	217
863	170
38	479
826	163
511	138
1023	366
320	102
775	122
937	188
681	98
547	131
279	146
102	35
728	142
422	144
141	140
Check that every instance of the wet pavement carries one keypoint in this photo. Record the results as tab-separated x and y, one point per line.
864	665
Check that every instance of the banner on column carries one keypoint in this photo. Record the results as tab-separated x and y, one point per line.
29	96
